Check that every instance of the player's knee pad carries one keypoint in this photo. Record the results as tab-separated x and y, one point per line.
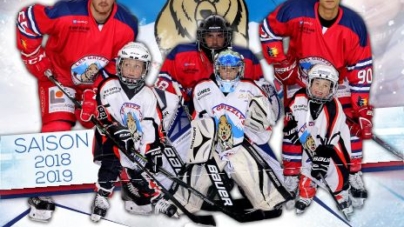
108	173
307	188
55	126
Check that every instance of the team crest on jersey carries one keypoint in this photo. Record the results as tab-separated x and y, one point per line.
273	52
225	135
307	63
131	117
85	69
310	144
229	128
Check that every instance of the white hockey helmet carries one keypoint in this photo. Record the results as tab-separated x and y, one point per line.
137	51
325	72
228	58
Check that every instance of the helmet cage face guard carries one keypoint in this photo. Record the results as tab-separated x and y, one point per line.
214	23
136	51
324	72
228	58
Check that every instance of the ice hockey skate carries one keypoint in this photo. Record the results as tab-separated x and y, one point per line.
41	208
164	206
291	183
100	205
137	200
302	204
358	191
345	203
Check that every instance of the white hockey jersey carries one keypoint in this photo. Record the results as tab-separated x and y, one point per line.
229	112
326	125
137	111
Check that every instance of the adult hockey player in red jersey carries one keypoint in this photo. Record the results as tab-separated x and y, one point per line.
322	31
83	36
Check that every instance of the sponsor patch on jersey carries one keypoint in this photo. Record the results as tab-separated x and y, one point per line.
58	101
202	93
80	22
300	107
85	69
306	26
110	91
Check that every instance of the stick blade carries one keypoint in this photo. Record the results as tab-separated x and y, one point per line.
205	220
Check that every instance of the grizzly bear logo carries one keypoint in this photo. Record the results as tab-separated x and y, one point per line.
225	135
178	21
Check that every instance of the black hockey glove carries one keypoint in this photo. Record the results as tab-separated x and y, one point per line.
290	130
321	161
154	159
122	135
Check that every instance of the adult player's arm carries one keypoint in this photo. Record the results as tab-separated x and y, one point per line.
32	23
291	148
360	77
272	31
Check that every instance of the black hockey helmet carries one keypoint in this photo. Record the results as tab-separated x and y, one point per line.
214	23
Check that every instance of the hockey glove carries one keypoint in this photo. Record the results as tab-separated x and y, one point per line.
154	159
365	115
321	161
88	106
290	129
287	70
123	137
354	128
37	63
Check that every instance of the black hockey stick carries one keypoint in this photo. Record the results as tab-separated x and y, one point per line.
136	158
268	169
383	143
387	146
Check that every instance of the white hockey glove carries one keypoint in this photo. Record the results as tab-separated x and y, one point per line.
276	102
260	116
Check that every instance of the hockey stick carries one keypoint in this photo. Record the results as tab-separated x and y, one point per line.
383	143
136	158
268	169
387	146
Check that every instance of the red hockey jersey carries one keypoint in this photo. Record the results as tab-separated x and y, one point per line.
345	45
77	46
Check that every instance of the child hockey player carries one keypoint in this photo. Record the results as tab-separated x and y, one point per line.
232	120
315	121
128	109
